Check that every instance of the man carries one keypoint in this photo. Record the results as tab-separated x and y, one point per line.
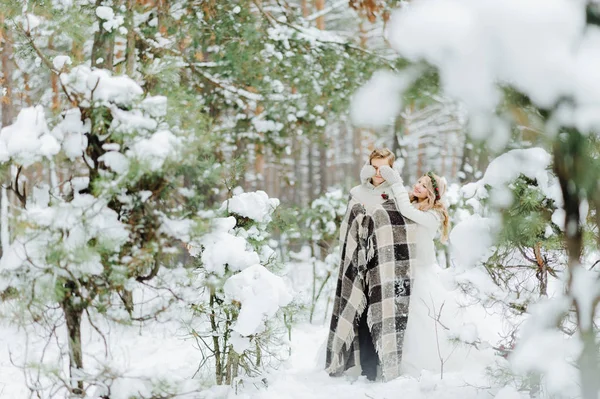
371	305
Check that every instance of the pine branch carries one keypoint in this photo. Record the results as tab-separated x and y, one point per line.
44	59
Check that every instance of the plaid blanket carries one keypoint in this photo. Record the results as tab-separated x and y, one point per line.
376	258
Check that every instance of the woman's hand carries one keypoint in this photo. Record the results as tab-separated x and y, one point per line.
390	175
366	173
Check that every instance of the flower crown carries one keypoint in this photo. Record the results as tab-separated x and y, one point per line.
436	189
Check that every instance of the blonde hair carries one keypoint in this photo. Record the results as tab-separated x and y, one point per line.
431	203
382	153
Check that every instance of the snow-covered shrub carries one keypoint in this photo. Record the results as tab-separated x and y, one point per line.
238	316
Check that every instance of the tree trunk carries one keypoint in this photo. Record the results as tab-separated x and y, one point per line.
54	81
311	173
103	47
130	55
466	163
320	5
162	12
4	233
73	314
542	272
8	68
304	7
398	124
323	167
597	218
8	113
297	154
259	167
215	337
568	169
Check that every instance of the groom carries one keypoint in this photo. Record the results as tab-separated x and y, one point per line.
372	295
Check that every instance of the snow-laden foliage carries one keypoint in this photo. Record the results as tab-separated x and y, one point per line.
236	268
90	244
509	256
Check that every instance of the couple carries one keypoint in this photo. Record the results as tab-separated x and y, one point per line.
388	295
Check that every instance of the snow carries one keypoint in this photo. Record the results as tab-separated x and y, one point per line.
531	162
585	291
71	132
13	258
509	393
176	228
471	240
256	206
476	44
115	161
100	85
302	376
80	183
155	150
468	333
263	126
107	14
140	362
33	21
544	349
261	294
66	227
378	102
60	61
28	139
222	248
552	354
131	122
155	106
540	47
240	343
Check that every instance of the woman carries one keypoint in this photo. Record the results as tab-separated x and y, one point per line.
431	310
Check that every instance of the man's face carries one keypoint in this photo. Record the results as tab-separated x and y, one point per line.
378	163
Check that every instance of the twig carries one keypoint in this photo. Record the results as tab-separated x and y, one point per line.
98	330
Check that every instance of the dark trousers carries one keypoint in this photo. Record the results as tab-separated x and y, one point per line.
368	355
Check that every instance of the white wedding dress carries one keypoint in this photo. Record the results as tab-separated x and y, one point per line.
433	311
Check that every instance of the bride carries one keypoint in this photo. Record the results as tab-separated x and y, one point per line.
431	308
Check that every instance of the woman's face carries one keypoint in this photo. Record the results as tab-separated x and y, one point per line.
378	163
420	190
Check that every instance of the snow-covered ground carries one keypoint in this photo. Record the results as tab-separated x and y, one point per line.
302	376
143	358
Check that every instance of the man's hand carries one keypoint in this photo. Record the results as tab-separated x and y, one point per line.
366	173
390	175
